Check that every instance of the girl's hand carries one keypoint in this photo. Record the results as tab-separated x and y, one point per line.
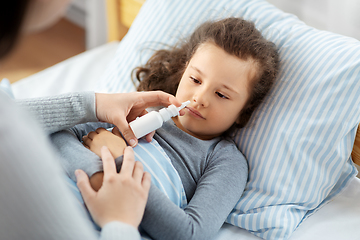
102	137
122	196
122	108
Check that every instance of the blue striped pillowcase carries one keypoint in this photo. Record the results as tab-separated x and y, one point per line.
298	143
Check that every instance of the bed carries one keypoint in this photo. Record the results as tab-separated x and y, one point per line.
336	212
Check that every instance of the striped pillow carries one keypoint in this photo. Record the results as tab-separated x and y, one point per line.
298	143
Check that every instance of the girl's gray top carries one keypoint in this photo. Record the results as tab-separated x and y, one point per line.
35	202
213	172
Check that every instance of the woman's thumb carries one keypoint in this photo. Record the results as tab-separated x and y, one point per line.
83	183
128	134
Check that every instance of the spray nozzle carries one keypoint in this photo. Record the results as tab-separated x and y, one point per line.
183	105
172	111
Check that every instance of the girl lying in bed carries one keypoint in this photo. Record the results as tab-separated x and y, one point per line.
225	69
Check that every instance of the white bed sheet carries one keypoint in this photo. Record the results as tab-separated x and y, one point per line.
339	219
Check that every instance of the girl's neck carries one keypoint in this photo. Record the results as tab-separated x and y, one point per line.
202	137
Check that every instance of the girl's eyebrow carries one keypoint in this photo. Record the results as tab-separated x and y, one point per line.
229	88
198	70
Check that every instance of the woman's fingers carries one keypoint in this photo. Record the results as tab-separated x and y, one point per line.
130	168
120	108
83	183
128	162
121	197
155	98
138	172
146	181
127	133
108	162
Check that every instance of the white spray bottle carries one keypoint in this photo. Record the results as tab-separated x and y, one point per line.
154	120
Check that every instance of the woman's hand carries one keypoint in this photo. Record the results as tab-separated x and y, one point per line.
122	108
122	196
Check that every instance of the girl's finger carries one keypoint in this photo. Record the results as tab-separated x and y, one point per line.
91	135
86	141
99	130
108	161
128	162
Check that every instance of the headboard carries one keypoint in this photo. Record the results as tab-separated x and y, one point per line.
121	13
356	150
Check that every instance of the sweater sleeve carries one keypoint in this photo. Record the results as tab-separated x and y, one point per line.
118	231
35	202
74	155
218	190
72	152
60	112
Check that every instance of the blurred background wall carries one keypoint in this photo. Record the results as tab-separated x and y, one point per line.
340	16
90	15
84	27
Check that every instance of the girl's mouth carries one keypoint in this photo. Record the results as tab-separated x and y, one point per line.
194	112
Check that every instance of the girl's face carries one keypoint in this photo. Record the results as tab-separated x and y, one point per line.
217	85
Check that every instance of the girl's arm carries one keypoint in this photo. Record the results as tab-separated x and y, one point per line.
74	155
217	192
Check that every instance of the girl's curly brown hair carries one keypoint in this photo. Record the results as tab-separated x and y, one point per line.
236	36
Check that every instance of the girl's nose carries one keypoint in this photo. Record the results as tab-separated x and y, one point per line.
201	98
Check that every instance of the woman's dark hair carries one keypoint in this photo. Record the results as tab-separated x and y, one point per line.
237	37
12	13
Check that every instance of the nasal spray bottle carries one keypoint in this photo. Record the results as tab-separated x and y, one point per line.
154	120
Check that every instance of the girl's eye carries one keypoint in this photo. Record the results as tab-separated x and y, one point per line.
195	80
221	95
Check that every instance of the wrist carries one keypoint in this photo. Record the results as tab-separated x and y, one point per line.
122	228
90	101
